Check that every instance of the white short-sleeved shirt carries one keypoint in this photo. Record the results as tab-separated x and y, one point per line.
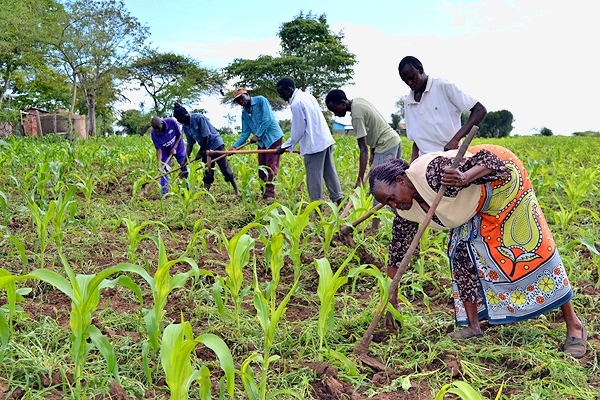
432	122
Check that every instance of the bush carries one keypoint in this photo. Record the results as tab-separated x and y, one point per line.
586	133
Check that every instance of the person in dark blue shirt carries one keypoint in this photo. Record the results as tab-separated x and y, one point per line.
198	129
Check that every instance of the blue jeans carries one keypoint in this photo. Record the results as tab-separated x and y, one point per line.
164	180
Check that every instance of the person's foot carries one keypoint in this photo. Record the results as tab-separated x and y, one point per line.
466	333
576	347
236	190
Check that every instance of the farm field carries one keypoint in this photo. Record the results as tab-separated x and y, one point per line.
110	292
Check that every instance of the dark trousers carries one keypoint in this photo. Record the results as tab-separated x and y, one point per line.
270	164
209	174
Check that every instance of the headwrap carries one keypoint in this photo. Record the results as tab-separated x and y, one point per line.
179	110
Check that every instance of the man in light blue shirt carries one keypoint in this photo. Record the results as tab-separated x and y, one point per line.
258	118
311	131
198	129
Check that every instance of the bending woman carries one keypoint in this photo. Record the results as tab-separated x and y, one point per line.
504	262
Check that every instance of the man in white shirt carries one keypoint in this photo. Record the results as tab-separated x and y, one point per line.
432	112
433	108
311	131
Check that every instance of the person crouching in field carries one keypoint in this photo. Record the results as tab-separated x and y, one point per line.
166	137
199	130
504	263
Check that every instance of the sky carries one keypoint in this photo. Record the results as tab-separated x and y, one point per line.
534	58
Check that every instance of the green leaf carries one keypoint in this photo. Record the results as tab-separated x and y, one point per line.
106	349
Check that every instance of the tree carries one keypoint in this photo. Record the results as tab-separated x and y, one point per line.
496	124
97	41
170	77
546	131
134	122
311	54
41	86
25	26
398	116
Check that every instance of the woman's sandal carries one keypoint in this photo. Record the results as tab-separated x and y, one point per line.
576	346
466	333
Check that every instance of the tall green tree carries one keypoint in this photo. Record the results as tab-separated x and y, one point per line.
25	27
99	38
496	124
133	121
41	86
170	77
311	54
398	116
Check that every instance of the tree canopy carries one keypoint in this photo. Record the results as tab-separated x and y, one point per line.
311	54
496	124
170	77
25	29
97	41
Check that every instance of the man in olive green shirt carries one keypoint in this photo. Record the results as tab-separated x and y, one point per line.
371	131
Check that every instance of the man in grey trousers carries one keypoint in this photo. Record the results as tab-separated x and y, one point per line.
310	129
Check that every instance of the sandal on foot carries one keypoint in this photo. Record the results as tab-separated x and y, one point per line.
576	347
466	333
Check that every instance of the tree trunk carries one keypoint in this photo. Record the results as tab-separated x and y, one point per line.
5	88
91	106
71	133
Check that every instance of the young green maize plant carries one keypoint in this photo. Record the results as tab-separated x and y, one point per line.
293	226
87	186
329	226
246	176
10	309
329	284
433	245
383	284
63	214
84	292
19	246
134	234
238	249
162	284
198	235
177	344
579	186
42	220
290	182
57	168
41	174
268	317
190	196
274	254
4	208
362	202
